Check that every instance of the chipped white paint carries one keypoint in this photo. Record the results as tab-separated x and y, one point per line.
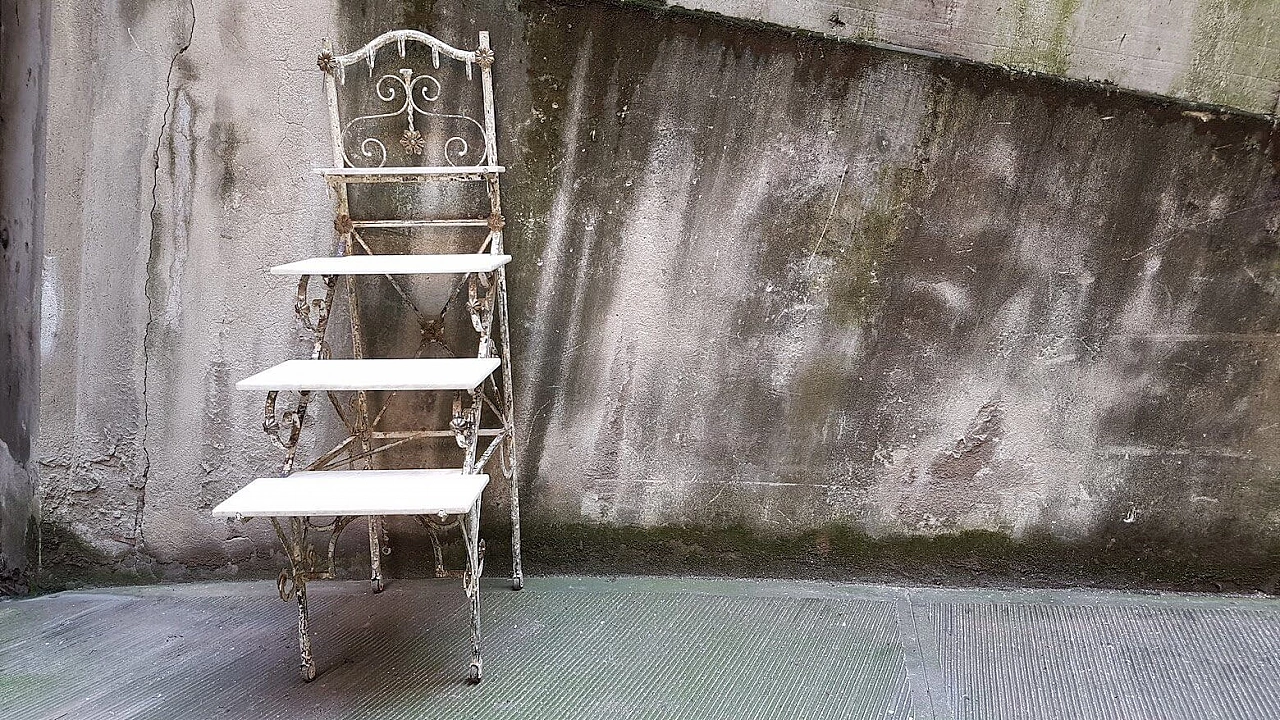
50	305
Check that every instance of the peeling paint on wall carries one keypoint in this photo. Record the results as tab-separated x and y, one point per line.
50	305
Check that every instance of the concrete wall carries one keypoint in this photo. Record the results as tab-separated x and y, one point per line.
781	304
1209	51
24	32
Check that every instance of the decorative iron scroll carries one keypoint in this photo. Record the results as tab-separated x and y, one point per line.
414	92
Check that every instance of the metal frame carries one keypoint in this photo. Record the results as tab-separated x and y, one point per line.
486	305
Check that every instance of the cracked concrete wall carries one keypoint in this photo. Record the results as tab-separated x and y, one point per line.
24	42
185	136
1208	51
765	285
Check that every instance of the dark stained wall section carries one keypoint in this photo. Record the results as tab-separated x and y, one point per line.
23	60
790	284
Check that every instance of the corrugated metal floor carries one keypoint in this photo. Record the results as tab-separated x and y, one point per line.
641	648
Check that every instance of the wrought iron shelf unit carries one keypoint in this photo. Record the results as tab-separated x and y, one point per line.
339	485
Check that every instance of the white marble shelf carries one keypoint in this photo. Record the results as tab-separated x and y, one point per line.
394	264
374	374
356	492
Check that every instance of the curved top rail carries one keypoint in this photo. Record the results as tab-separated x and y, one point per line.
413	92
400	37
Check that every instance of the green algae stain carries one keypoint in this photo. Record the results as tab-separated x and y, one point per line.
1233	58
419	14
26	685
867	29
69	563
859	249
863	26
1039	37
540	144
840	551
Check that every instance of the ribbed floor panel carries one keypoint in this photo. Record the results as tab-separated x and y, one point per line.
1093	662
552	651
641	648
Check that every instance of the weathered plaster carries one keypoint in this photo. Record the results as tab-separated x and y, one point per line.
765	287
190	179
24	42
1209	51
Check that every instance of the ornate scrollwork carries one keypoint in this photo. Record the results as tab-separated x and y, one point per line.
412	142
414	92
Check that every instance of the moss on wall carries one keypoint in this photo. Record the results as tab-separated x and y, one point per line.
1233	60
839	552
1039	36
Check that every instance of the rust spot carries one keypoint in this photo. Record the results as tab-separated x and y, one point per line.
326	62
342	224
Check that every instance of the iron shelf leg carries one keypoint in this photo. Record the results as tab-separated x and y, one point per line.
308	665
375	553
471	584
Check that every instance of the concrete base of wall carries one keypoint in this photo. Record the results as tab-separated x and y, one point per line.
18	524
